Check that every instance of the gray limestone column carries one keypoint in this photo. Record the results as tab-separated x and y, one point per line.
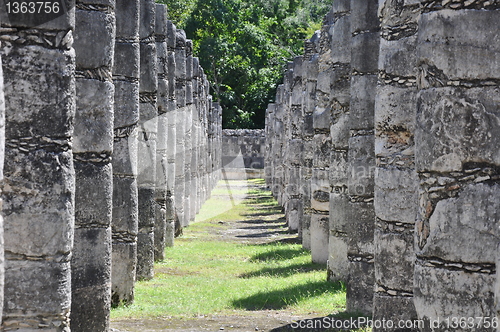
162	138
396	180
2	154
148	125
171	137
338	264
38	63
188	144
180	96
322	121
294	210
278	167
269	127
92	149
195	140
457	160
360	214
285	157
310	68
126	117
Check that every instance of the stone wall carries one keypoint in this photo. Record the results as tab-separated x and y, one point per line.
99	104
398	155
243	153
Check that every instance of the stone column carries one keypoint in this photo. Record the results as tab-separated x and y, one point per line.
322	121
285	139
39	185
2	154
171	137
310	68
188	144
338	264
180	96
148	125
92	149
126	117
195	143
294	211
161	147
269	127
396	179
361	155
457	160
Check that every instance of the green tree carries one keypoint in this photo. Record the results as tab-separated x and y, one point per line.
244	47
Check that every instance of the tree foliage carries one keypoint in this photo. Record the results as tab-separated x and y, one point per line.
244	45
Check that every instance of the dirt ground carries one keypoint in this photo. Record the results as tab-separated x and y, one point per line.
255	228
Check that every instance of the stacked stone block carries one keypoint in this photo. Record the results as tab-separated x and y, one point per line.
361	155
188	144
162	138
126	117
171	214
180	96
338	264
457	160
309	79
148	134
322	121
396	178
38	63
2	154
92	149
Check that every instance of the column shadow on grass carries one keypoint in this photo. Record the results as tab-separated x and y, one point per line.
280	299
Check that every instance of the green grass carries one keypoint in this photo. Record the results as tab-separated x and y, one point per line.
203	275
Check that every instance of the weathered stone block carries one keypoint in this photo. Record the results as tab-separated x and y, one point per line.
396	194
448	45
91	279
361	165
39	223
365	49
125	210
126	111
359	288
361	218
127	19
319	238
467	221
147	19
99	29
50	111
124	51
341	40
460	124
394	260
364	15
94	116
362	106
435	299
395	55
124	261
148	67
396	309
338	168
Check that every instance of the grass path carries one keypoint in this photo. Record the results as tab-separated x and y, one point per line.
236	268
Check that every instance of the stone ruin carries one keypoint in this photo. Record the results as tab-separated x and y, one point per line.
243	154
382	148
111	142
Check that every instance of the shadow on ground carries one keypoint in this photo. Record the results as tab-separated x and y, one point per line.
343	321
280	299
